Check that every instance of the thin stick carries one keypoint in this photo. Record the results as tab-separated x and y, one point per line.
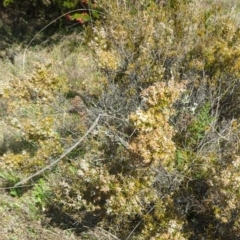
62	156
138	224
7	188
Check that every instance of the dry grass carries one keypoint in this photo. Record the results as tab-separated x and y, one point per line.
18	221
68	57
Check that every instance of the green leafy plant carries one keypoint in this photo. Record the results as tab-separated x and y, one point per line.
40	194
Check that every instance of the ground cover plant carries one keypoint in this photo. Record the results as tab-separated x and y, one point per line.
128	129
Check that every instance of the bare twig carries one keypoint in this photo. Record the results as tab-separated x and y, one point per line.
7	188
138	224
62	156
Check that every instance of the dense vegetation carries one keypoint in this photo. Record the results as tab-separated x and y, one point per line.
126	127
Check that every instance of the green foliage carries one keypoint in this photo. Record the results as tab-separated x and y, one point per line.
69	3
40	194
8	177
198	126
7	2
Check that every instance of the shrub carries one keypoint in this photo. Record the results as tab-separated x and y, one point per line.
144	185
122	193
31	114
162	163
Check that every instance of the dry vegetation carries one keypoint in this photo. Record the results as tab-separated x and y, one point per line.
156	96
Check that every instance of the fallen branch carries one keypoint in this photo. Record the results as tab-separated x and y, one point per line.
25	180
